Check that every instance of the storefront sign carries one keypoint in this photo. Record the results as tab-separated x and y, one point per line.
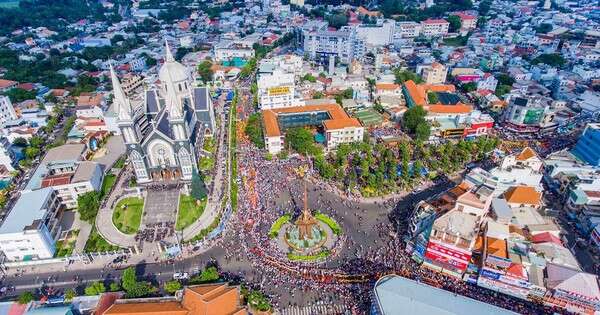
279	90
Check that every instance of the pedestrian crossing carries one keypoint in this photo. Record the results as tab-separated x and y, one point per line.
316	309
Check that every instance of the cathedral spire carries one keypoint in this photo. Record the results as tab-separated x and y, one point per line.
123	107
168	54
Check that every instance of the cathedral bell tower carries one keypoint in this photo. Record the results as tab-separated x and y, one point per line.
123	110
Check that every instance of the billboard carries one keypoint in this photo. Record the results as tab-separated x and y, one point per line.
448	256
278	90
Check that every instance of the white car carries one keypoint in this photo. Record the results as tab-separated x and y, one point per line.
180	275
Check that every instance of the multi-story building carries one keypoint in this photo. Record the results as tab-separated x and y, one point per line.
32	226
407	30
320	43
276	88
7	156
7	111
227	50
131	83
588	145
434	27
381	34
529	113
64	169
435	73
337	127
467	21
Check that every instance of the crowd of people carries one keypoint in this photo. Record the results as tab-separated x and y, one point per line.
156	232
372	243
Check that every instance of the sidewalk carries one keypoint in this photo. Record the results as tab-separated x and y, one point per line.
213	204
104	223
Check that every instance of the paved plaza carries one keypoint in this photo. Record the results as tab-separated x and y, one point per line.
160	206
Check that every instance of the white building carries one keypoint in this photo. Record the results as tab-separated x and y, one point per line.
276	88
63	169
434	27
227	50
32	226
435	73
7	111
320	43
407	29
524	168
7	158
381	34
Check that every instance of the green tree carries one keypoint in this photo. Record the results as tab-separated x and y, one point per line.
88	205
455	23
20	141
406	75
554	60
432	98
31	153
205	71
209	274
301	140
423	131
469	87
129	279
18	95
114	287
337	20
412	117
95	288
70	294
172	286
544	28
25	298
309	77
140	289
318	95
198	189
254	130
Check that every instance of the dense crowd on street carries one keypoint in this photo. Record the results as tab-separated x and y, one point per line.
271	188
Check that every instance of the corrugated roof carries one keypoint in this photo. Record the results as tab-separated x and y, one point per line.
398	295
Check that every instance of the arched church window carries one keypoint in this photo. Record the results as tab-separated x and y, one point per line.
185	162
179	87
138	165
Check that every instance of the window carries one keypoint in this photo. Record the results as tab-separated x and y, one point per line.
185	162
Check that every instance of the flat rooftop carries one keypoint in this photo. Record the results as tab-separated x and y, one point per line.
398	295
27	209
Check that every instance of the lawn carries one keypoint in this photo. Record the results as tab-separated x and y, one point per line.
206	163
128	214
274	231
209	144
96	243
107	183
334	226
188	212
64	248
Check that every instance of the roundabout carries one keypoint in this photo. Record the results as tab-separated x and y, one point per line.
309	238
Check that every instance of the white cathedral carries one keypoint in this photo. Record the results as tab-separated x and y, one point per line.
164	133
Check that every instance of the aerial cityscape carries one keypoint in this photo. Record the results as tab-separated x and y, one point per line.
299	157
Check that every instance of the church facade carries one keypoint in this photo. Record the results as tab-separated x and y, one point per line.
164	133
